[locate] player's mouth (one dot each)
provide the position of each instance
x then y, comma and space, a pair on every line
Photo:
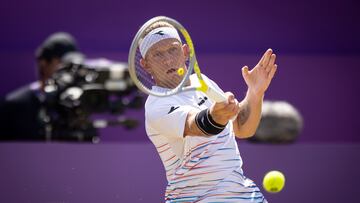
170, 71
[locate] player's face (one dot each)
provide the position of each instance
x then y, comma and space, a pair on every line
163, 60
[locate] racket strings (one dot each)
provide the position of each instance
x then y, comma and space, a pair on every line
165, 67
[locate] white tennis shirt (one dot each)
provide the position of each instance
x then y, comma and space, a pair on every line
198, 168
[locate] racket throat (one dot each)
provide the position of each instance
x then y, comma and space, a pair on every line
203, 86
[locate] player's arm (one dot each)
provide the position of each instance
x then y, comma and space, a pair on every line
190, 125
257, 80
213, 120
248, 119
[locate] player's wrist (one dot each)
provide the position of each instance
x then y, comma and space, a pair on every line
220, 122
218, 116
206, 123
256, 94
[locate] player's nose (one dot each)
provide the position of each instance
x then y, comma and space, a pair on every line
167, 60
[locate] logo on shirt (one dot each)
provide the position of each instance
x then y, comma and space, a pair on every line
202, 100
173, 109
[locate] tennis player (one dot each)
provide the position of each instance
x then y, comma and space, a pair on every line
194, 136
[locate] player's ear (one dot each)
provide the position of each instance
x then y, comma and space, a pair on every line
144, 66
142, 62
186, 50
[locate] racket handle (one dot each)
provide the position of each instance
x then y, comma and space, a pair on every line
215, 95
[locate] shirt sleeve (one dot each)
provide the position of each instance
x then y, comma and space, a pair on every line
167, 118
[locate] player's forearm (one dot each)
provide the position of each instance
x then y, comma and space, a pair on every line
249, 116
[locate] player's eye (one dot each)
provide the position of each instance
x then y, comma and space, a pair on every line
157, 54
172, 50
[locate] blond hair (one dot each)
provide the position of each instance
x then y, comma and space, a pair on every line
157, 25
154, 26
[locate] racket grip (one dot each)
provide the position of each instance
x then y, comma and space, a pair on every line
215, 95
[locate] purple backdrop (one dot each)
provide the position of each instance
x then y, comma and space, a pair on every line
318, 48
317, 45
242, 26
132, 172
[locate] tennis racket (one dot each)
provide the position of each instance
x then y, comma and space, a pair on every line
156, 58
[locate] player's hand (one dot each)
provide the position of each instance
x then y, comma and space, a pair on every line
259, 78
224, 111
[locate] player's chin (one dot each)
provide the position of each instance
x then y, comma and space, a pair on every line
176, 79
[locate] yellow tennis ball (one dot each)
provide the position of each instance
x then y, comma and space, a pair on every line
274, 181
180, 71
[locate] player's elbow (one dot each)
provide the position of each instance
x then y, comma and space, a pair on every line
245, 134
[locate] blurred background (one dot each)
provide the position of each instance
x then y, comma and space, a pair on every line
318, 55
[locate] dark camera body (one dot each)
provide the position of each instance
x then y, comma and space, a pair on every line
77, 91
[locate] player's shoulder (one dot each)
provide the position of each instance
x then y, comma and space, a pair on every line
156, 107
154, 100
154, 103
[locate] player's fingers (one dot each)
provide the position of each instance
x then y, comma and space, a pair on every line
262, 59
236, 101
224, 111
245, 72
218, 106
230, 97
230, 110
237, 109
266, 57
271, 62
272, 72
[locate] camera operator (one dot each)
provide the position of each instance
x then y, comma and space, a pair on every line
20, 112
